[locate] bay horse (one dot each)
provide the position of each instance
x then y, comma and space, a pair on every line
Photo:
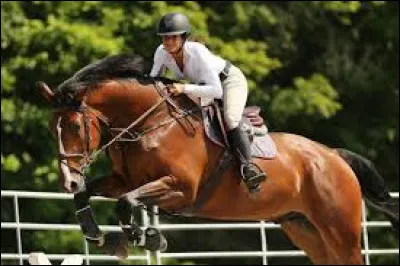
314, 192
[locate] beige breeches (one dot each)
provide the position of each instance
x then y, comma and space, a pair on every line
235, 96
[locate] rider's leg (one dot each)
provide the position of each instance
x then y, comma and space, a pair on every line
235, 97
240, 146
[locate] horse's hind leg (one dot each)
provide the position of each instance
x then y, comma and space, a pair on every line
335, 210
342, 238
307, 238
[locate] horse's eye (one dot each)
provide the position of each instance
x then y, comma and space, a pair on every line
75, 126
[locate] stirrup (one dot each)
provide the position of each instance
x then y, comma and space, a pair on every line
253, 182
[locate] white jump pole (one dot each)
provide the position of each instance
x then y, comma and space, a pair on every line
39, 258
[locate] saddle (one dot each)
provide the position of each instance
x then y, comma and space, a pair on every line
262, 145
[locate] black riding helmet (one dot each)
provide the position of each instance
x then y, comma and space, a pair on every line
173, 24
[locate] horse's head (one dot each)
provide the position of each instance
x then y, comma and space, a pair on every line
78, 133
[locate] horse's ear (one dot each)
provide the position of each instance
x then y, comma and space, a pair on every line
46, 91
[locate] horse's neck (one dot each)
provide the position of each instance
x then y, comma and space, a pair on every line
124, 105
188, 102
123, 101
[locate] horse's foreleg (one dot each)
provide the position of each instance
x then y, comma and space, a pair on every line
98, 187
84, 214
124, 210
150, 239
164, 192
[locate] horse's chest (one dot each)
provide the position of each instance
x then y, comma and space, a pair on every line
130, 154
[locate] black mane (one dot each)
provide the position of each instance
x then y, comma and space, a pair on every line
122, 66
116, 66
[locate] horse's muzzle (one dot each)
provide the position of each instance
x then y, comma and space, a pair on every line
74, 184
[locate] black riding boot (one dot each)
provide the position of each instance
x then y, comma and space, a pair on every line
240, 145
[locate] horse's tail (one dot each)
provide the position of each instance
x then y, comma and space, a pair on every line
373, 187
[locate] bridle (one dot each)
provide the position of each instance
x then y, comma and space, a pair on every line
86, 158
63, 156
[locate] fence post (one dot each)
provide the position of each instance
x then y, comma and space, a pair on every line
146, 222
18, 231
365, 232
86, 246
157, 225
264, 242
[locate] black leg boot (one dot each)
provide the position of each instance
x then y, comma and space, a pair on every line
240, 146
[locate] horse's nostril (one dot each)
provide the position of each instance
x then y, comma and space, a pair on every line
74, 185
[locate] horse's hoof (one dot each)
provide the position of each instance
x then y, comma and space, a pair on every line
116, 244
155, 240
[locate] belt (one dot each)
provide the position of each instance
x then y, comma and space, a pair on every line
224, 73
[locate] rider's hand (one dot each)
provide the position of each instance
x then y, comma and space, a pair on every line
176, 88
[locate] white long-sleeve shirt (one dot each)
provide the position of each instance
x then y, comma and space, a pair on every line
200, 67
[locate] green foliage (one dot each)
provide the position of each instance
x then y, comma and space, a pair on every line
341, 9
10, 163
326, 70
314, 98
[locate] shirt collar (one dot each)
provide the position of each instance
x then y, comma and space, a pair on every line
186, 53
186, 50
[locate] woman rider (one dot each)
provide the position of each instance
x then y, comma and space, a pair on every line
211, 77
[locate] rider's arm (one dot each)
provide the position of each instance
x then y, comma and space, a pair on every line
212, 87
